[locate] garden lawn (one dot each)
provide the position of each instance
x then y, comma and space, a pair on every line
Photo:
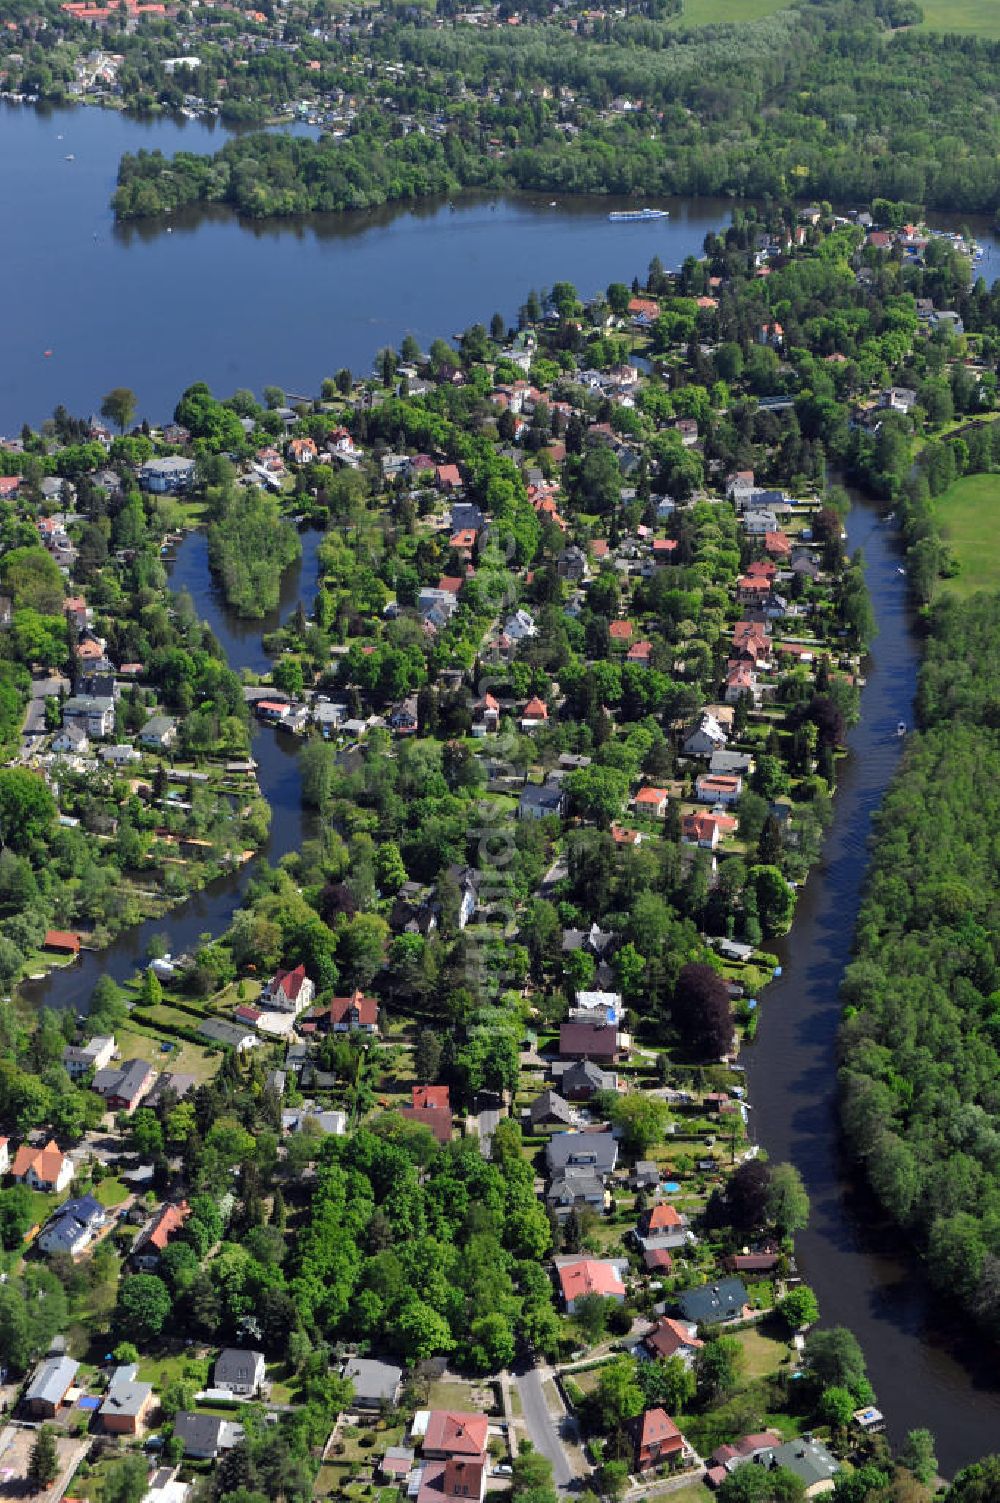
715, 12
763, 1353
968, 514
979, 18
110, 1192
696, 1492
183, 1059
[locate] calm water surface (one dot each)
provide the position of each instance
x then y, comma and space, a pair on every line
289, 303
284, 302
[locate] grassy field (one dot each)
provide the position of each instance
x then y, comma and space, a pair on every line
969, 517
979, 18
713, 12
185, 1058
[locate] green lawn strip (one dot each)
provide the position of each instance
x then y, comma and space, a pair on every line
968, 514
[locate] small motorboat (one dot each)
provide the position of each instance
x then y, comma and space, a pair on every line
47, 354
900, 727
71, 157
900, 570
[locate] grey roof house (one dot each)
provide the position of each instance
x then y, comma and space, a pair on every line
712, 1303
204, 1436
238, 1370
49, 1386
375, 1383
596, 1151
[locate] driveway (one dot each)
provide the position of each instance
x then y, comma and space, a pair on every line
548, 1431
487, 1127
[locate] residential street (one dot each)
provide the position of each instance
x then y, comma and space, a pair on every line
547, 1433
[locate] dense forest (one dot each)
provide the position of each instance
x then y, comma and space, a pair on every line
921, 1036
249, 547
829, 101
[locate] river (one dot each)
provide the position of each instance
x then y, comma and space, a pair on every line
287, 302
923, 1371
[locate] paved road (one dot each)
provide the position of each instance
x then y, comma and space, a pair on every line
545, 1431
487, 1127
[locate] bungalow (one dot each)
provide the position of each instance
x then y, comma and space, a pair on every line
810, 1460
127, 1402
535, 713
620, 633
124, 1086
711, 1304
155, 1236
431, 1098
656, 1439
289, 991
48, 1388
718, 788
596, 1041
375, 1383
450, 1432
45, 1168
652, 801
580, 1277
354, 1014
728, 1457
274, 711
672, 1338
205, 1436
62, 941
777, 545
159, 733
73, 1226
641, 653
758, 1264
239, 1371
664, 550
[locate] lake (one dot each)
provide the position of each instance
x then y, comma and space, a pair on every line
283, 302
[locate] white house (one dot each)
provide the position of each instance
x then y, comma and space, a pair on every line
706, 738
289, 991
520, 625
239, 1371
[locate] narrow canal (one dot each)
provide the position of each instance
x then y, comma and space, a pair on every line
921, 1371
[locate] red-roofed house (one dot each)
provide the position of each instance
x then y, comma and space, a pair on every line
157, 1233
489, 712
464, 540
718, 788
752, 589
448, 477
652, 801
289, 991
302, 450
672, 1338
354, 1014
741, 680
664, 549
706, 830
656, 1439
640, 652
643, 310
590, 1276
458, 1477
62, 941
620, 631
46, 1168
777, 545
9, 486
439, 1122
536, 713
432, 1097
452, 1433
451, 582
